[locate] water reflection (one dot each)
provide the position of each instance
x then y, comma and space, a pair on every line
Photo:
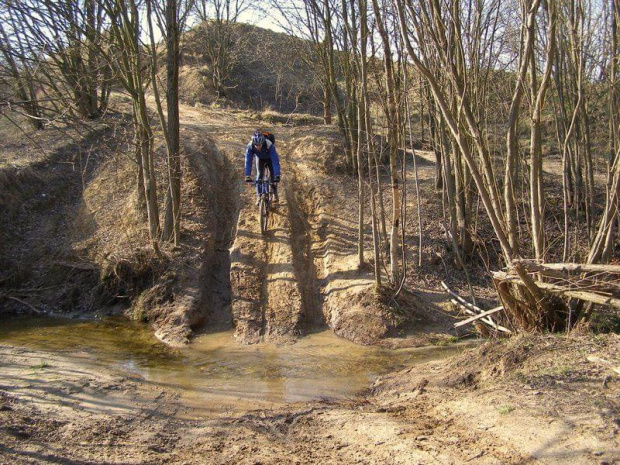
216, 373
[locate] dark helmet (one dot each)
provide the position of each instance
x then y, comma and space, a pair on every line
258, 139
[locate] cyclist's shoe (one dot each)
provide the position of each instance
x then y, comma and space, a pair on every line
276, 179
248, 179
276, 199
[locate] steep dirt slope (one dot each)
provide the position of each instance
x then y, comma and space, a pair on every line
202, 289
330, 204
279, 280
327, 202
42, 195
72, 239
265, 302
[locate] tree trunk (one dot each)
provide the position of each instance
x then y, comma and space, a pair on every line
172, 103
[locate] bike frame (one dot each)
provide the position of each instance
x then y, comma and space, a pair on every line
265, 185
265, 192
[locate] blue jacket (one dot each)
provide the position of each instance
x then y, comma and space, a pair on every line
267, 151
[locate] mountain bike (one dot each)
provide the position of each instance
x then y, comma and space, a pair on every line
266, 195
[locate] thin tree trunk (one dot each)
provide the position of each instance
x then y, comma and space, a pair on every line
536, 185
172, 103
393, 141
366, 123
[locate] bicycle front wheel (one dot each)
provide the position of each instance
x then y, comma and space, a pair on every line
263, 213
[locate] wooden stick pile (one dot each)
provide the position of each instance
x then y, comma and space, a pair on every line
477, 313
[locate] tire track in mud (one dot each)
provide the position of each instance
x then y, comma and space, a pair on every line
347, 302
267, 303
273, 276
300, 212
265, 284
283, 306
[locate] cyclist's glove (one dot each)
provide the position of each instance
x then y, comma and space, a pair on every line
248, 179
276, 179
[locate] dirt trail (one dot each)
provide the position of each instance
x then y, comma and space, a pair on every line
264, 298
264, 276
303, 272
267, 301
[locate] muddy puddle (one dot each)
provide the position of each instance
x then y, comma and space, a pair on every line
217, 375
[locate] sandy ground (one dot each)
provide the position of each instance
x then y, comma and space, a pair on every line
488, 405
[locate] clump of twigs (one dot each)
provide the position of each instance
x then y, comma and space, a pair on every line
486, 321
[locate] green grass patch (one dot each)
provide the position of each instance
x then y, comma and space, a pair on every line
505, 409
445, 341
40, 366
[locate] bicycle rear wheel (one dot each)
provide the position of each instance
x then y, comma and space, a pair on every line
263, 213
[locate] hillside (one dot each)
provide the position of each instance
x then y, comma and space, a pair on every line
259, 69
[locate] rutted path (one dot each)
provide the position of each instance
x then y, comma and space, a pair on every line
273, 294
304, 272
269, 276
267, 301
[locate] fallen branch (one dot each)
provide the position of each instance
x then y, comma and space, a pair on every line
471, 309
34, 309
484, 319
576, 267
477, 317
568, 292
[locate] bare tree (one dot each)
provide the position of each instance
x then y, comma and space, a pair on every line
69, 36
393, 120
126, 55
219, 18
17, 77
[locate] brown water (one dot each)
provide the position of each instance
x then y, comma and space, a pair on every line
215, 373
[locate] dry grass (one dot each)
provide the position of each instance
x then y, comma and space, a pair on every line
15, 185
292, 119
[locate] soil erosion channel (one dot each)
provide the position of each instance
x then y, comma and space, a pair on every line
216, 375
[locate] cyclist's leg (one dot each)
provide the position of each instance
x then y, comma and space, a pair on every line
260, 172
274, 186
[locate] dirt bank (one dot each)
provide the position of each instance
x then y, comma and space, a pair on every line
42, 199
327, 201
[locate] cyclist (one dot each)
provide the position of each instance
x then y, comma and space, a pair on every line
264, 151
